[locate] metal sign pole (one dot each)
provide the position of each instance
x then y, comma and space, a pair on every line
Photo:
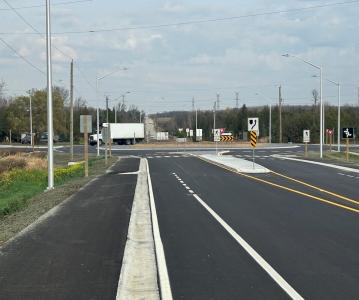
347, 154
86, 157
253, 159
306, 150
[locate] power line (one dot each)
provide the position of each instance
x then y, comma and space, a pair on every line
42, 5
39, 33
252, 15
22, 57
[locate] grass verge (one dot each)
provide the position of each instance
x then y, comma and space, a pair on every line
37, 202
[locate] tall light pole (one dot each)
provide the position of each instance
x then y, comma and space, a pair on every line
339, 107
98, 113
270, 117
50, 129
321, 98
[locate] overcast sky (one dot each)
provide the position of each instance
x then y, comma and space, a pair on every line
169, 65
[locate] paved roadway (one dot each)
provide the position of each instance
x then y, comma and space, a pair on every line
307, 234
313, 245
76, 253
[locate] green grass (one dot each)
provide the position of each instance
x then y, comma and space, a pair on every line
340, 157
18, 186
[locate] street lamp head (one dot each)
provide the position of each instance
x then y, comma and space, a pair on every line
286, 55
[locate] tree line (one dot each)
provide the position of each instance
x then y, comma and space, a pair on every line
295, 119
15, 114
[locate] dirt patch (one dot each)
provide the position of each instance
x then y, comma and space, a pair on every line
40, 204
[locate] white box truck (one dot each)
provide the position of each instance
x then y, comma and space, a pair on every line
122, 133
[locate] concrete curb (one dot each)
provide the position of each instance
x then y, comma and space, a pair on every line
138, 278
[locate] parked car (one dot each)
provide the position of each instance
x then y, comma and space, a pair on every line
26, 139
44, 137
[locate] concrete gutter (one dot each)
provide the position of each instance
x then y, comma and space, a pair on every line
238, 164
138, 278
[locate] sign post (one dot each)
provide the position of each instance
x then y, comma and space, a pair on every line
253, 143
306, 140
85, 128
347, 133
217, 137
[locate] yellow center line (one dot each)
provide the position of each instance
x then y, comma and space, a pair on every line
285, 188
317, 188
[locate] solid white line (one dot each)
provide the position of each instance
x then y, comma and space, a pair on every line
261, 261
192, 192
166, 293
318, 163
341, 174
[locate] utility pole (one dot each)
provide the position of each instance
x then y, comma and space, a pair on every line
107, 110
217, 101
50, 125
214, 117
115, 114
237, 100
32, 135
280, 114
193, 108
72, 110
270, 123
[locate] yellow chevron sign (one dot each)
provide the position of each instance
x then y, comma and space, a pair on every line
253, 139
226, 138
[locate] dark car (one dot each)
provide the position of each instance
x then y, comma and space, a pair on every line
26, 139
44, 136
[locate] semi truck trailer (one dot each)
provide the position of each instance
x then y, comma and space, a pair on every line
121, 133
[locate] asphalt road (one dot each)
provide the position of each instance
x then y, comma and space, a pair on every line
311, 244
307, 234
77, 252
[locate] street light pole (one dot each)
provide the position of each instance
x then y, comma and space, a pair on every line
339, 106
270, 123
98, 113
270, 116
321, 135
50, 129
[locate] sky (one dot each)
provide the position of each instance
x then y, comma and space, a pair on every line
176, 51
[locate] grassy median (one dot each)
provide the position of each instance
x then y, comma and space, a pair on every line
22, 189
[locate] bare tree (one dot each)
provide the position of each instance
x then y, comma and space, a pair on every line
315, 95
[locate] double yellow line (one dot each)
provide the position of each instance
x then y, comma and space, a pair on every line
296, 191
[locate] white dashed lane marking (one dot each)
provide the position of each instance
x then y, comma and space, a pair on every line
251, 251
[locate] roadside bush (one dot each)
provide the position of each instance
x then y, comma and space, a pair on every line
19, 185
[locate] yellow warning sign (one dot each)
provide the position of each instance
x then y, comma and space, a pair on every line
226, 138
253, 139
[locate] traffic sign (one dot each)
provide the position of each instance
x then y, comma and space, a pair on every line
347, 133
253, 124
226, 138
253, 139
217, 135
306, 136
85, 119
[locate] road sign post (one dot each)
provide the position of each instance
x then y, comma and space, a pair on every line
216, 137
86, 127
306, 140
253, 137
347, 134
